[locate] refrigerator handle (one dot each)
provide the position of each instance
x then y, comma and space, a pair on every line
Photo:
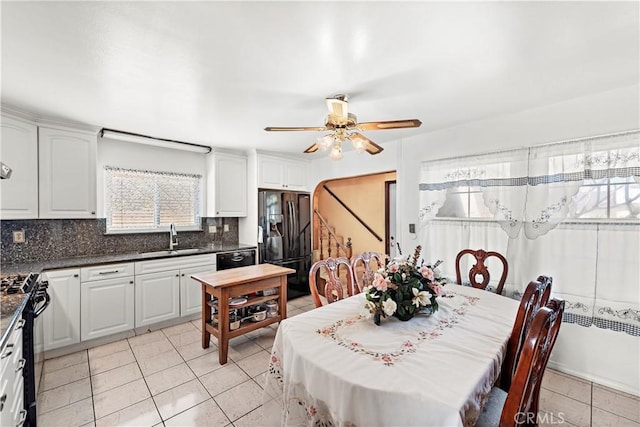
294, 235
290, 224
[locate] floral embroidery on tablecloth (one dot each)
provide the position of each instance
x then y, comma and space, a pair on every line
407, 347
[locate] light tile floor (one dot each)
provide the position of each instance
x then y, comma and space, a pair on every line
166, 378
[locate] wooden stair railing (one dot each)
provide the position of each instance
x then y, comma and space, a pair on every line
328, 235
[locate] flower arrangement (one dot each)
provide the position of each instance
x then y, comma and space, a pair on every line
403, 288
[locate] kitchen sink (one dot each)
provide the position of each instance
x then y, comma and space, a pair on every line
173, 252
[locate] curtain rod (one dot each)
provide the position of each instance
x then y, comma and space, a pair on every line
566, 141
159, 142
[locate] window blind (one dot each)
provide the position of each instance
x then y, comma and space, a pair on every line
138, 200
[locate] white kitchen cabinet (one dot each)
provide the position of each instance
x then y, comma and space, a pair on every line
19, 151
164, 288
11, 381
226, 185
67, 173
282, 173
157, 297
62, 317
106, 300
190, 290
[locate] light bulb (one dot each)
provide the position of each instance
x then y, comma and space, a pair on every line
336, 151
324, 142
358, 142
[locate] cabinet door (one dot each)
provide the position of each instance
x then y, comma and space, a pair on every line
19, 151
294, 175
67, 173
230, 186
191, 291
157, 297
270, 173
106, 307
62, 317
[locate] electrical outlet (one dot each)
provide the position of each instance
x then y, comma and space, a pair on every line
212, 229
226, 227
412, 228
18, 236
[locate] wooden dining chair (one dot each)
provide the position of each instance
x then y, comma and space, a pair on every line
480, 269
333, 287
519, 407
536, 295
366, 278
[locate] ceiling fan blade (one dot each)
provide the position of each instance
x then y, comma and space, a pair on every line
371, 147
287, 129
392, 124
338, 107
312, 149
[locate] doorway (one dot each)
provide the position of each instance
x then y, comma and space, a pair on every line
390, 218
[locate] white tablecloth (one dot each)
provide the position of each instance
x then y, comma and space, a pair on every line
331, 366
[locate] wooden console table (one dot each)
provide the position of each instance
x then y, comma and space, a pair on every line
234, 282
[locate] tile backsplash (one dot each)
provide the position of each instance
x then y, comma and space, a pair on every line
52, 239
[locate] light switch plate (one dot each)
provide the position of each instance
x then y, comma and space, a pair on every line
226, 227
18, 236
212, 229
412, 228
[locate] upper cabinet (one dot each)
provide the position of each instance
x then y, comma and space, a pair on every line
226, 185
282, 173
67, 173
19, 151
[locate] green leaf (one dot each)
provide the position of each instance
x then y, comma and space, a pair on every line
401, 311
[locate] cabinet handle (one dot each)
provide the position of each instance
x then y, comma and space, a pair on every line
182, 274
9, 351
177, 275
75, 275
21, 363
131, 282
109, 272
23, 417
20, 324
93, 212
2, 400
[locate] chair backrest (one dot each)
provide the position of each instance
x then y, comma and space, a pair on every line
536, 295
366, 279
333, 287
480, 269
521, 405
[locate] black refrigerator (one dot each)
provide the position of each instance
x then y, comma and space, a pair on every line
284, 220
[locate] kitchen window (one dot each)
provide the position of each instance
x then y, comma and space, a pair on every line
147, 201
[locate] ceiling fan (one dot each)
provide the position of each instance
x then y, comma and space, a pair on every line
344, 126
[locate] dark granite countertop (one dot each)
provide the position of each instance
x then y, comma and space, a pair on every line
12, 305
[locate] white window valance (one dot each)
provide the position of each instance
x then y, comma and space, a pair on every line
531, 189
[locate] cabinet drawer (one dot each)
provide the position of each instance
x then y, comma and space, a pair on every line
176, 263
110, 271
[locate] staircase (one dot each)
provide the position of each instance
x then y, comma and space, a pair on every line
331, 245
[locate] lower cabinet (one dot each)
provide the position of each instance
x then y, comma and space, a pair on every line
191, 291
62, 317
107, 307
157, 297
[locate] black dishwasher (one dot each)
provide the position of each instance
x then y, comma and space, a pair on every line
241, 258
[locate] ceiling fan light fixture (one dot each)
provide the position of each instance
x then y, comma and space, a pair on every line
324, 142
358, 143
336, 151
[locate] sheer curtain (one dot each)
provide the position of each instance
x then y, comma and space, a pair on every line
595, 264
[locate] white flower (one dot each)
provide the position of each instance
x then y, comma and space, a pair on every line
420, 298
366, 289
368, 310
404, 277
389, 306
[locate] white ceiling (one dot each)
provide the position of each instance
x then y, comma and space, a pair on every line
217, 73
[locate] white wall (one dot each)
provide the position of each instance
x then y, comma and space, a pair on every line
130, 155
607, 357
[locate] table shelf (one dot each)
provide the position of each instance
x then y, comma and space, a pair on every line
250, 301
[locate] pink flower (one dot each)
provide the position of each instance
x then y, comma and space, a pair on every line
312, 410
426, 272
379, 282
437, 289
274, 359
394, 268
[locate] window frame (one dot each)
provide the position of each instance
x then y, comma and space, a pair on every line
198, 209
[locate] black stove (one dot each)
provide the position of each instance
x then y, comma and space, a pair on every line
12, 284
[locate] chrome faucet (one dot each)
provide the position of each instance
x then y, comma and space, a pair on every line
173, 237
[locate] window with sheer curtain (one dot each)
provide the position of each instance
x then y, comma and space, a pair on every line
146, 201
570, 210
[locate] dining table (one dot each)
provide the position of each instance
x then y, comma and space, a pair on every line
334, 366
